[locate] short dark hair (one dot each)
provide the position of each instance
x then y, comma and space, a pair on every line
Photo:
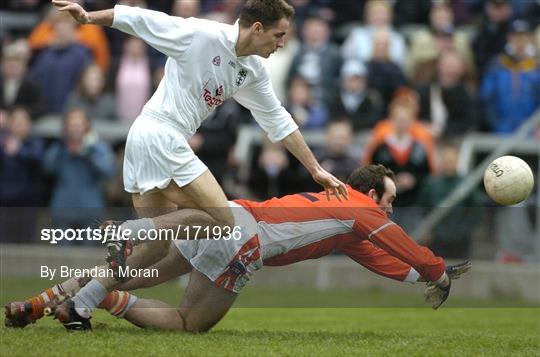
267, 12
76, 110
339, 121
370, 177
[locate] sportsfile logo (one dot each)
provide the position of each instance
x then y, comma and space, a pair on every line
53, 236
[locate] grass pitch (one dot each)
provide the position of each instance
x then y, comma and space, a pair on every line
277, 331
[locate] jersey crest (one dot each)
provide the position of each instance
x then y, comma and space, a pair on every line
241, 77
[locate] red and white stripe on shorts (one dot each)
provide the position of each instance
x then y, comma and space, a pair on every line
244, 262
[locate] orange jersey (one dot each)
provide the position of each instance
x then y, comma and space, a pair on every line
419, 133
308, 226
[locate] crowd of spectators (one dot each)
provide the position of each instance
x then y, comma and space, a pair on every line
414, 74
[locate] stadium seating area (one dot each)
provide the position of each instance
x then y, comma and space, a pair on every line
367, 80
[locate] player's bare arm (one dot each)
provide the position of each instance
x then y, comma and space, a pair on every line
101, 18
296, 144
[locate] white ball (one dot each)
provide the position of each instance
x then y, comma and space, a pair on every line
508, 180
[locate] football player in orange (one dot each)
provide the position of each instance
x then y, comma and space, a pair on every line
276, 232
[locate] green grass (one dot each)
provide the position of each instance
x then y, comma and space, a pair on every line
321, 331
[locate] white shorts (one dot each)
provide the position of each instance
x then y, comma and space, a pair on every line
156, 153
228, 263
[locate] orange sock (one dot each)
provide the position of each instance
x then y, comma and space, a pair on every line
49, 298
118, 302
37, 307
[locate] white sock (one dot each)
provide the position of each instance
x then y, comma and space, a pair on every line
142, 225
89, 297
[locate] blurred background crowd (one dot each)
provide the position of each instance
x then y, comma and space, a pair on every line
411, 78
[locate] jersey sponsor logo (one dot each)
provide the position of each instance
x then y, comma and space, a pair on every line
216, 61
241, 77
212, 101
232, 64
212, 91
219, 91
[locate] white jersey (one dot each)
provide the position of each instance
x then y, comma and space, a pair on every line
202, 71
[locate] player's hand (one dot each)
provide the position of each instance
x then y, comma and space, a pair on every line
75, 10
435, 295
89, 141
331, 185
437, 292
455, 271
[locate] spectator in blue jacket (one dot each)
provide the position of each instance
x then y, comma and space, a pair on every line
305, 110
19, 161
80, 163
57, 68
511, 87
20, 179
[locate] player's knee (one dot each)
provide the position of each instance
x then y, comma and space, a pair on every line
157, 249
222, 218
195, 327
180, 322
225, 220
194, 323
224, 226
163, 249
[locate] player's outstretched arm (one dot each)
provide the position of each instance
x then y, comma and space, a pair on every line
390, 237
380, 262
102, 18
260, 99
296, 144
